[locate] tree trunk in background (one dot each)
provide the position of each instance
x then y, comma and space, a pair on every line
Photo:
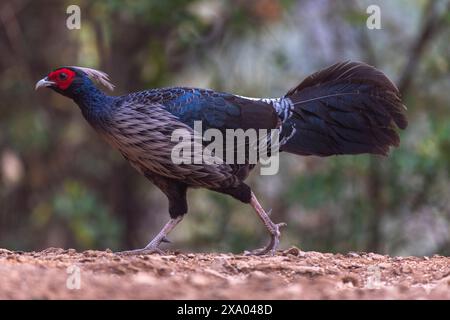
433, 22
26, 54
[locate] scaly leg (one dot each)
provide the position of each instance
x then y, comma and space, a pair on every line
274, 230
153, 245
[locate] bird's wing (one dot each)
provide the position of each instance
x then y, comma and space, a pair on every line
224, 111
215, 109
143, 134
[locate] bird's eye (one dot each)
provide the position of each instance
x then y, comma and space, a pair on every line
62, 76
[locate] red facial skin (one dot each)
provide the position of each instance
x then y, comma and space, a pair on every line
62, 78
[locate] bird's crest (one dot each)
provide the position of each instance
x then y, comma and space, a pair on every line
97, 76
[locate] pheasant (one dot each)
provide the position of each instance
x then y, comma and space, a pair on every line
347, 108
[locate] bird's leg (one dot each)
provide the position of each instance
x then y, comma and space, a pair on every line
273, 228
153, 246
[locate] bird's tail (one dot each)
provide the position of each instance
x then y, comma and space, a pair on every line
348, 108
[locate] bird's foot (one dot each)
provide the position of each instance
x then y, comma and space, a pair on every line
153, 246
271, 248
150, 249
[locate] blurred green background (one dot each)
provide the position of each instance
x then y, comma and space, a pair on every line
60, 185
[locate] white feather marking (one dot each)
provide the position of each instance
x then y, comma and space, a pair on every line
283, 106
97, 76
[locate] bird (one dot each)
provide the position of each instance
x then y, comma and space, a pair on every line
347, 108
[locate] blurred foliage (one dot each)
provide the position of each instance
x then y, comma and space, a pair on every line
60, 185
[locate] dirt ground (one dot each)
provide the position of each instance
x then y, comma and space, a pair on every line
292, 274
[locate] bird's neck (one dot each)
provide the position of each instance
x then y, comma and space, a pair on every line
94, 104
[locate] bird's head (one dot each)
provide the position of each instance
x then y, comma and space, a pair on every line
69, 80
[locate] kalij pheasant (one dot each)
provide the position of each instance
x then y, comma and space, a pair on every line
347, 108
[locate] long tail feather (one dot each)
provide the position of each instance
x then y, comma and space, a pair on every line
348, 108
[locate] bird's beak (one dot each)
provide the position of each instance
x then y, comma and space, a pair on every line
43, 83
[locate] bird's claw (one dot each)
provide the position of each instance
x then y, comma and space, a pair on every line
271, 248
164, 239
143, 251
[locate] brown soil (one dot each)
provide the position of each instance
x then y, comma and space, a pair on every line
291, 274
